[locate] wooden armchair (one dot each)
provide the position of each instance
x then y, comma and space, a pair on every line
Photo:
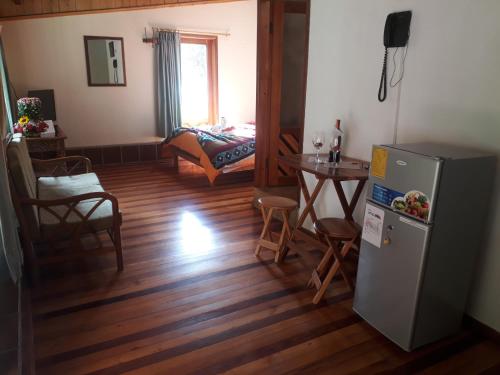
55, 204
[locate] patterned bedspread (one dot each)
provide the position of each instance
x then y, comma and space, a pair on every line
221, 148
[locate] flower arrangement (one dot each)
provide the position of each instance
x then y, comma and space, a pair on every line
30, 123
29, 107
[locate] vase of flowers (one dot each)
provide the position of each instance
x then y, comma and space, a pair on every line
30, 122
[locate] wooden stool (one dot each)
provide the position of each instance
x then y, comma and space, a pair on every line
268, 205
337, 232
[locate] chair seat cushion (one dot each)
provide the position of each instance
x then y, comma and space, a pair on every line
67, 182
50, 188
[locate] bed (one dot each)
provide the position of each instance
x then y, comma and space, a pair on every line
218, 151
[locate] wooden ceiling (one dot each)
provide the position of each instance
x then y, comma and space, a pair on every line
15, 9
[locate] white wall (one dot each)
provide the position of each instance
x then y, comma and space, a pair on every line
49, 53
450, 93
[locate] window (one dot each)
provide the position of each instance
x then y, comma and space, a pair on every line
199, 91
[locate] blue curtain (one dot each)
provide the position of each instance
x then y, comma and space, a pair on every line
10, 248
168, 82
9, 240
9, 106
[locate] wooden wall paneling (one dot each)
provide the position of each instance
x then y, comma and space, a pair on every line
125, 3
32, 6
67, 5
142, 3
263, 91
50, 6
160, 2
10, 9
94, 4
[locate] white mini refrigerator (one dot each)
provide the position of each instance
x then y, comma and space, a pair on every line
426, 209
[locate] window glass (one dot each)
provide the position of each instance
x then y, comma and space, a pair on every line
194, 86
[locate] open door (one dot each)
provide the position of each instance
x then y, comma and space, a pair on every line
283, 34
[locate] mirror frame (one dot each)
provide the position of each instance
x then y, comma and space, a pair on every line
86, 38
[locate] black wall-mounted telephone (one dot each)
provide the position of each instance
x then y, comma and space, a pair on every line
396, 34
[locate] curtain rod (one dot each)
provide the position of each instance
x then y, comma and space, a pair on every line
187, 31
152, 39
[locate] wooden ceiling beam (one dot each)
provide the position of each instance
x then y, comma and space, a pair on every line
20, 9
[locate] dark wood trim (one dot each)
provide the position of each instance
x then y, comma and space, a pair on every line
296, 7
86, 38
121, 153
211, 42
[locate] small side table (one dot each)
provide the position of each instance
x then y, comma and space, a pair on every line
40, 146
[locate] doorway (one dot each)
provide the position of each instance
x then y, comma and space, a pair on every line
282, 51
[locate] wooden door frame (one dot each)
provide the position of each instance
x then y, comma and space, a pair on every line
269, 66
264, 46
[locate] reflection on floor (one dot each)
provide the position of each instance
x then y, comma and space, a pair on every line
194, 299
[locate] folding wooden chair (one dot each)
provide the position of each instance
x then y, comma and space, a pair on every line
340, 234
268, 205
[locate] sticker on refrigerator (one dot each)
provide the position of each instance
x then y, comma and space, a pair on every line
414, 203
384, 195
373, 225
379, 162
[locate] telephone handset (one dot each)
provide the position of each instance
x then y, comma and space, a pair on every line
396, 34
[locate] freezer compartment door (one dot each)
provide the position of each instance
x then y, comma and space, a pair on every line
410, 178
390, 273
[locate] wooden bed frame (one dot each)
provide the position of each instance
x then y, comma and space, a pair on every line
242, 172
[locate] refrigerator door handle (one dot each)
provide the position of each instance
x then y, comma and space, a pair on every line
387, 238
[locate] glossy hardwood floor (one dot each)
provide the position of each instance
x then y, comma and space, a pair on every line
193, 299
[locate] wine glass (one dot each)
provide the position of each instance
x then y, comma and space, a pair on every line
318, 141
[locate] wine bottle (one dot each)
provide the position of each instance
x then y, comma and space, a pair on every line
338, 134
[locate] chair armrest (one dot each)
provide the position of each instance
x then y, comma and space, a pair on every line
71, 202
65, 166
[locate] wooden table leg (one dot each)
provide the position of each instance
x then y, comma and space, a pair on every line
357, 194
348, 208
343, 199
308, 198
308, 209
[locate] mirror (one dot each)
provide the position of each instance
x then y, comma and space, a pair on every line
105, 61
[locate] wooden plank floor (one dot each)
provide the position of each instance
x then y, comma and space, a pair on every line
193, 299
